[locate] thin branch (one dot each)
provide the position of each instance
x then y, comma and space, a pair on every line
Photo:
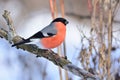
9, 21
51, 8
64, 43
109, 39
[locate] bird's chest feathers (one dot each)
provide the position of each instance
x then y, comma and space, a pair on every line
56, 40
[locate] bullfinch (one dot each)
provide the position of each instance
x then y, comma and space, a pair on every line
51, 36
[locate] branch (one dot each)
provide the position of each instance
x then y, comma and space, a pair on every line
50, 55
9, 21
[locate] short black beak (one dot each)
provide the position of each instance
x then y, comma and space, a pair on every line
66, 22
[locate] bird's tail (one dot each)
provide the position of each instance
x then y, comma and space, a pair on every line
22, 42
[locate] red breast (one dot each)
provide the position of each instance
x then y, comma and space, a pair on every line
57, 39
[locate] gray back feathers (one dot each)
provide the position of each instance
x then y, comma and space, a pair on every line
49, 30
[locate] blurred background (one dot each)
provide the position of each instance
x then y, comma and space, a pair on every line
30, 16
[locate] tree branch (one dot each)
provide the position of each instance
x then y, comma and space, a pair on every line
50, 55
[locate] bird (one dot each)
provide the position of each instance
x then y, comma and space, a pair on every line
51, 36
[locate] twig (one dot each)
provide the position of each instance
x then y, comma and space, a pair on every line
109, 39
64, 43
9, 21
52, 8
